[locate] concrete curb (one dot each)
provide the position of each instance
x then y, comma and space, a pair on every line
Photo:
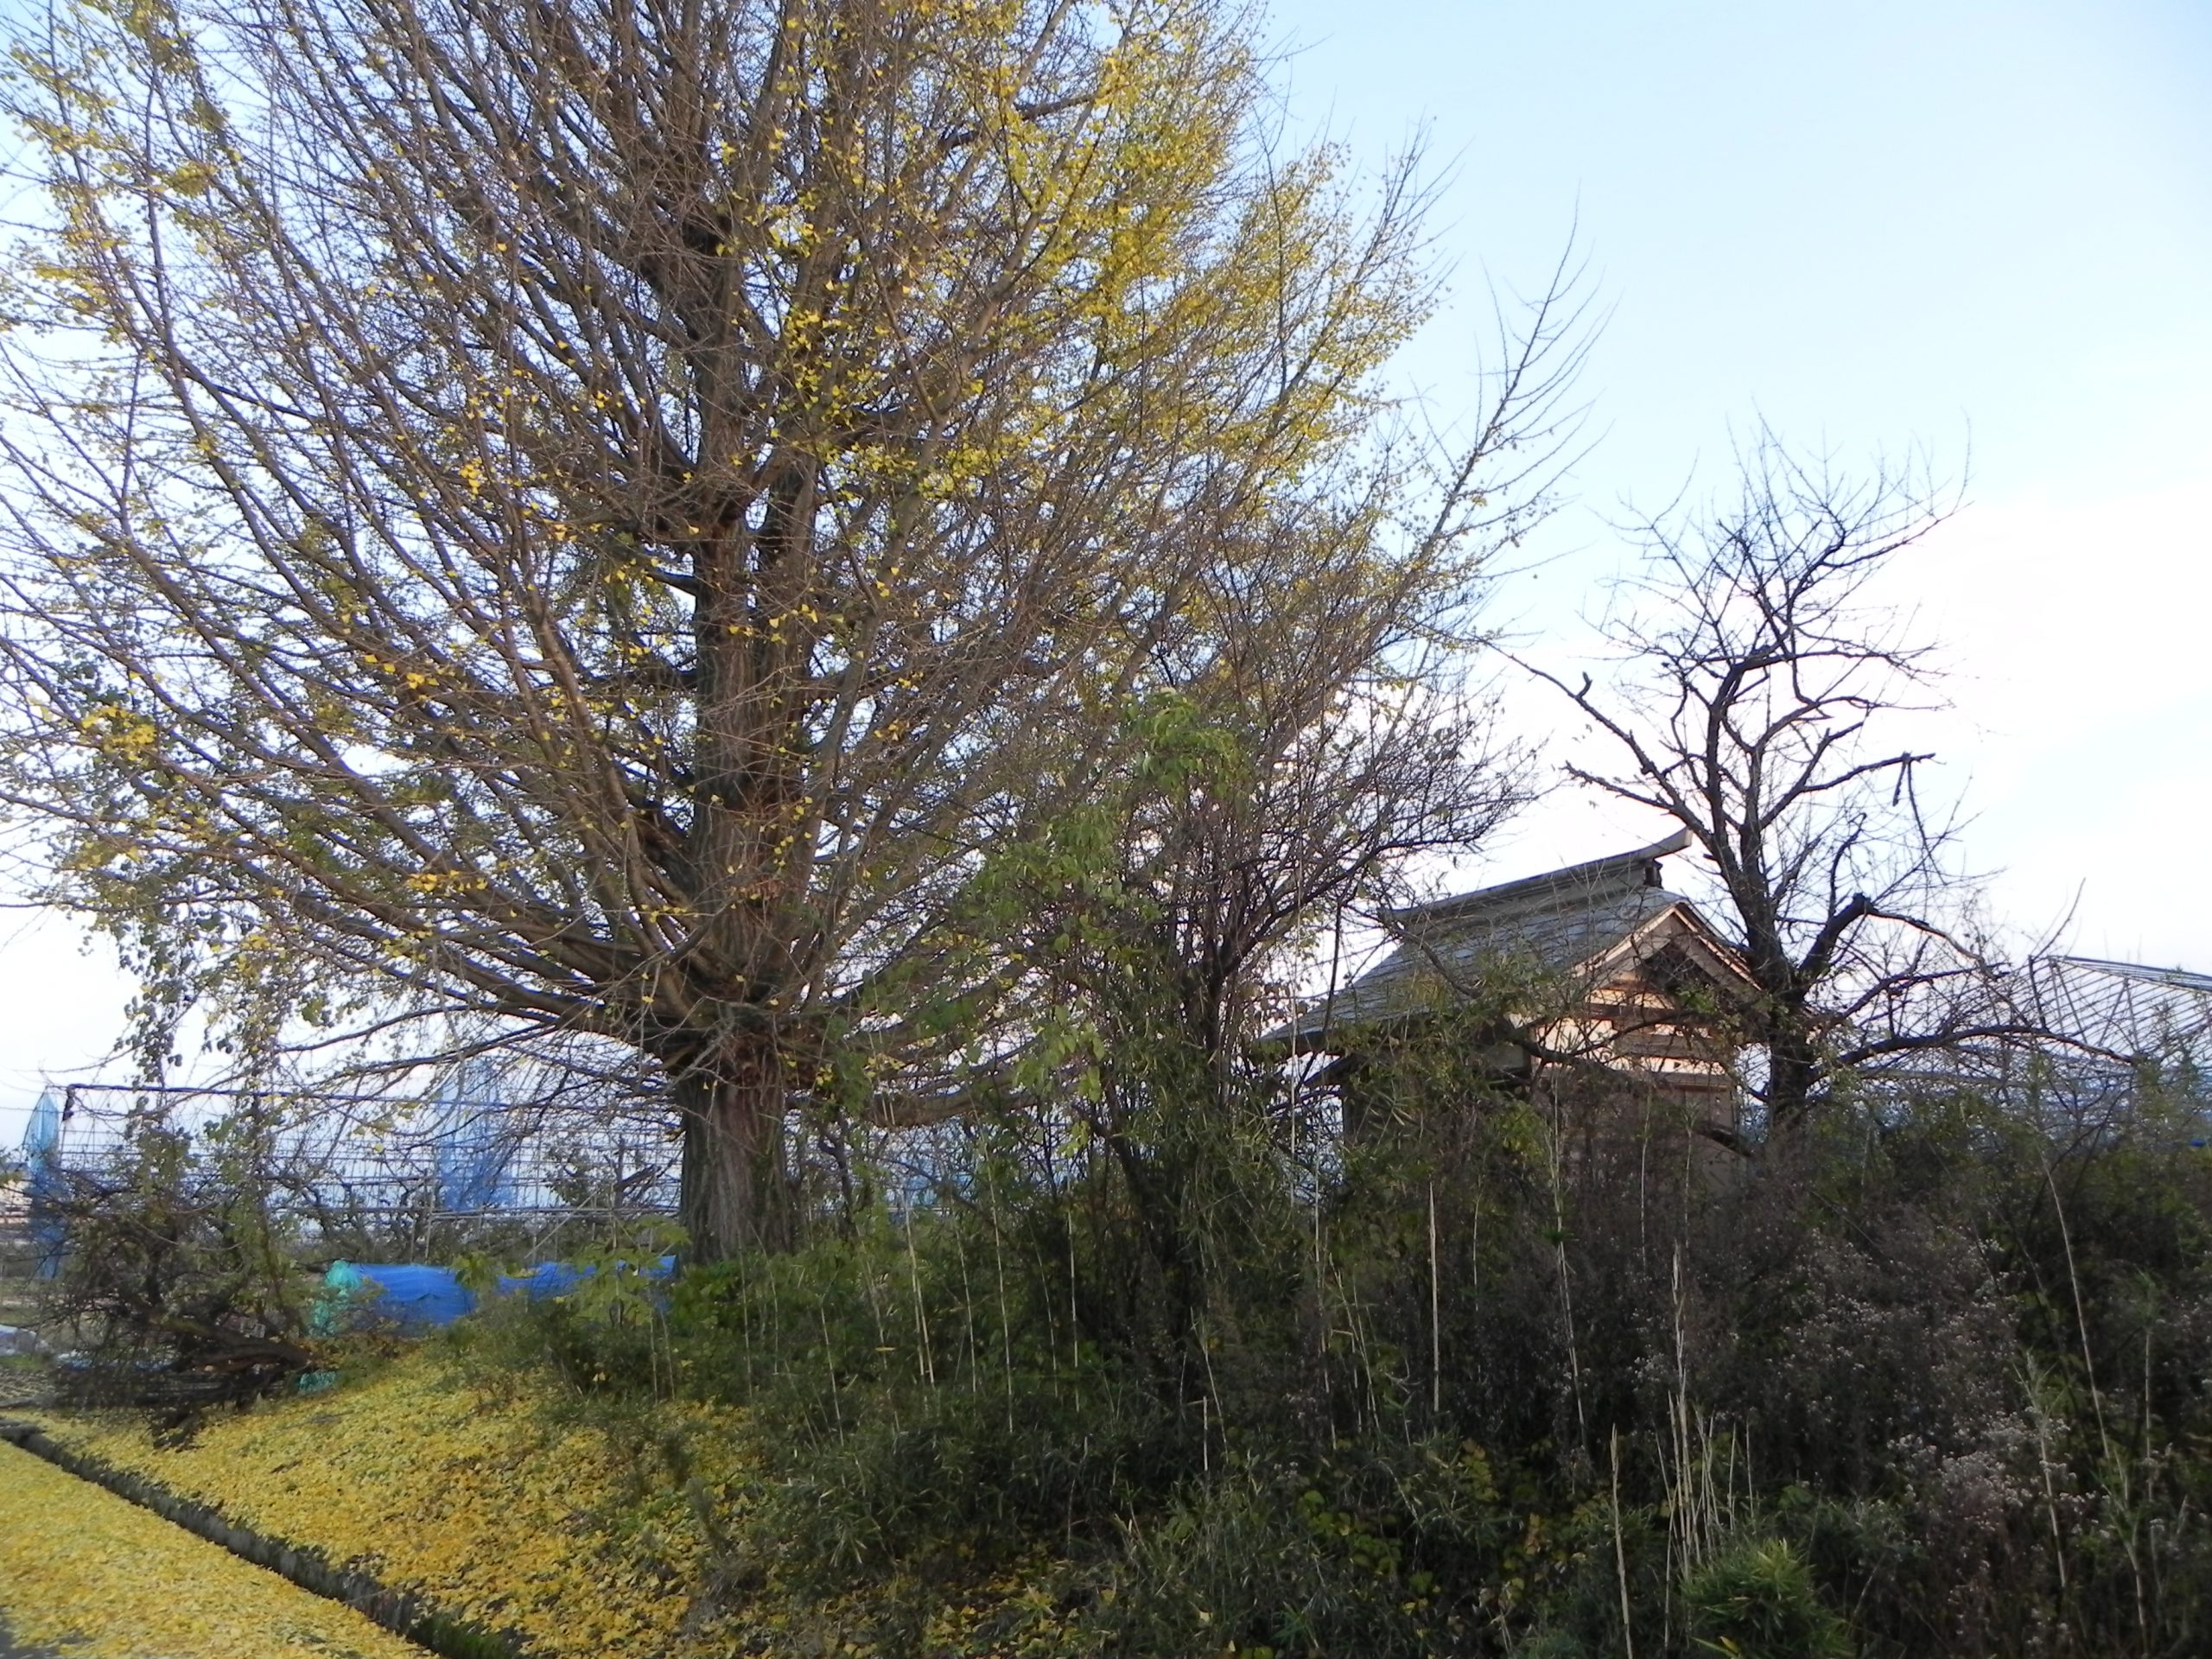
397, 1611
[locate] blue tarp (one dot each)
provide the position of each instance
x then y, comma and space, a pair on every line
409, 1296
418, 1297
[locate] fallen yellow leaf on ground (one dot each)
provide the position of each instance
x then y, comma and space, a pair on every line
481, 1506
83, 1570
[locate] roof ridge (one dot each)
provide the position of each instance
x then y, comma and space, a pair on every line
1584, 882
2180, 978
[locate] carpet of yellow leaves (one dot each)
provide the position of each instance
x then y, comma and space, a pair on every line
482, 1505
82, 1570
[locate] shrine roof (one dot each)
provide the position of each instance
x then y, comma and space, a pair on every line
1568, 922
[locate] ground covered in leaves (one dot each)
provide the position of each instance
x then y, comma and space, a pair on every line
577, 1532
496, 1512
84, 1573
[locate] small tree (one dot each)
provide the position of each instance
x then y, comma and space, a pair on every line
1758, 685
1307, 730
596, 515
179, 1275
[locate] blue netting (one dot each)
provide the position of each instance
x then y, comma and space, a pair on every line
41, 1150
475, 1143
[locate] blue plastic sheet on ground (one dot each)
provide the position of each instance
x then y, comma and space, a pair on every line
559, 1278
410, 1297
415, 1297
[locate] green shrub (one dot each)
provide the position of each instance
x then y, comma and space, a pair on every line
1380, 1552
1756, 1600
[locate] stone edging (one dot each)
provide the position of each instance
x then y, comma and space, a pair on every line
397, 1611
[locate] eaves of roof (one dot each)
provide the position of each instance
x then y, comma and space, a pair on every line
1590, 924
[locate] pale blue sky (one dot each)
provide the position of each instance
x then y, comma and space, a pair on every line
1883, 220
1983, 228
1876, 224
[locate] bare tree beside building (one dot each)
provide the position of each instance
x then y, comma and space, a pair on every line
1756, 703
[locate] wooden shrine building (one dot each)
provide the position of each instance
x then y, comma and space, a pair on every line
1594, 978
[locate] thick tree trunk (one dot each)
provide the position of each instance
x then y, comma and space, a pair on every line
1793, 1072
735, 1192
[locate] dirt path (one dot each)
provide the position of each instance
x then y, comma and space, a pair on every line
86, 1575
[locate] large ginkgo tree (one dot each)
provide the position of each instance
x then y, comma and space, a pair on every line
600, 515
